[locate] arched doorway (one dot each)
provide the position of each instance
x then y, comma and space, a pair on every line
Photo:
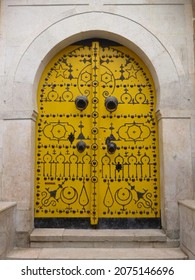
97, 160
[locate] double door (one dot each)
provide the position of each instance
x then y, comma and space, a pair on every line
96, 140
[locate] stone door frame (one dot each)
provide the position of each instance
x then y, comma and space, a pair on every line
20, 114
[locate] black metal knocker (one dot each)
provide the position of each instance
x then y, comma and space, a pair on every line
111, 147
81, 146
111, 103
81, 102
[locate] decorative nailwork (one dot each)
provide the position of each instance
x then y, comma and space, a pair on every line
95, 183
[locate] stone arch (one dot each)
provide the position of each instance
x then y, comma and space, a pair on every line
165, 68
164, 65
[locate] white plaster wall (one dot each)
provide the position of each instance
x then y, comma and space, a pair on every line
170, 24
187, 221
160, 32
175, 167
7, 227
18, 161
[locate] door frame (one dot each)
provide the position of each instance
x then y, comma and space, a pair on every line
168, 74
137, 217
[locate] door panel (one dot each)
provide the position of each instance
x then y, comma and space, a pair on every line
96, 141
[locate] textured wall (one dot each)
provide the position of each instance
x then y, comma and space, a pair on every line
160, 32
7, 227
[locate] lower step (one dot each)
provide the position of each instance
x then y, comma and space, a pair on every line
97, 253
63, 238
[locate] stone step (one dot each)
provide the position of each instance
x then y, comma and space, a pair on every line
67, 238
97, 253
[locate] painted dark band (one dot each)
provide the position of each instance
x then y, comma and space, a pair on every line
103, 223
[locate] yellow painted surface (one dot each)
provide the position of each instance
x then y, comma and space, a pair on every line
95, 183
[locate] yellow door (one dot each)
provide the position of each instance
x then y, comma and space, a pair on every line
96, 140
